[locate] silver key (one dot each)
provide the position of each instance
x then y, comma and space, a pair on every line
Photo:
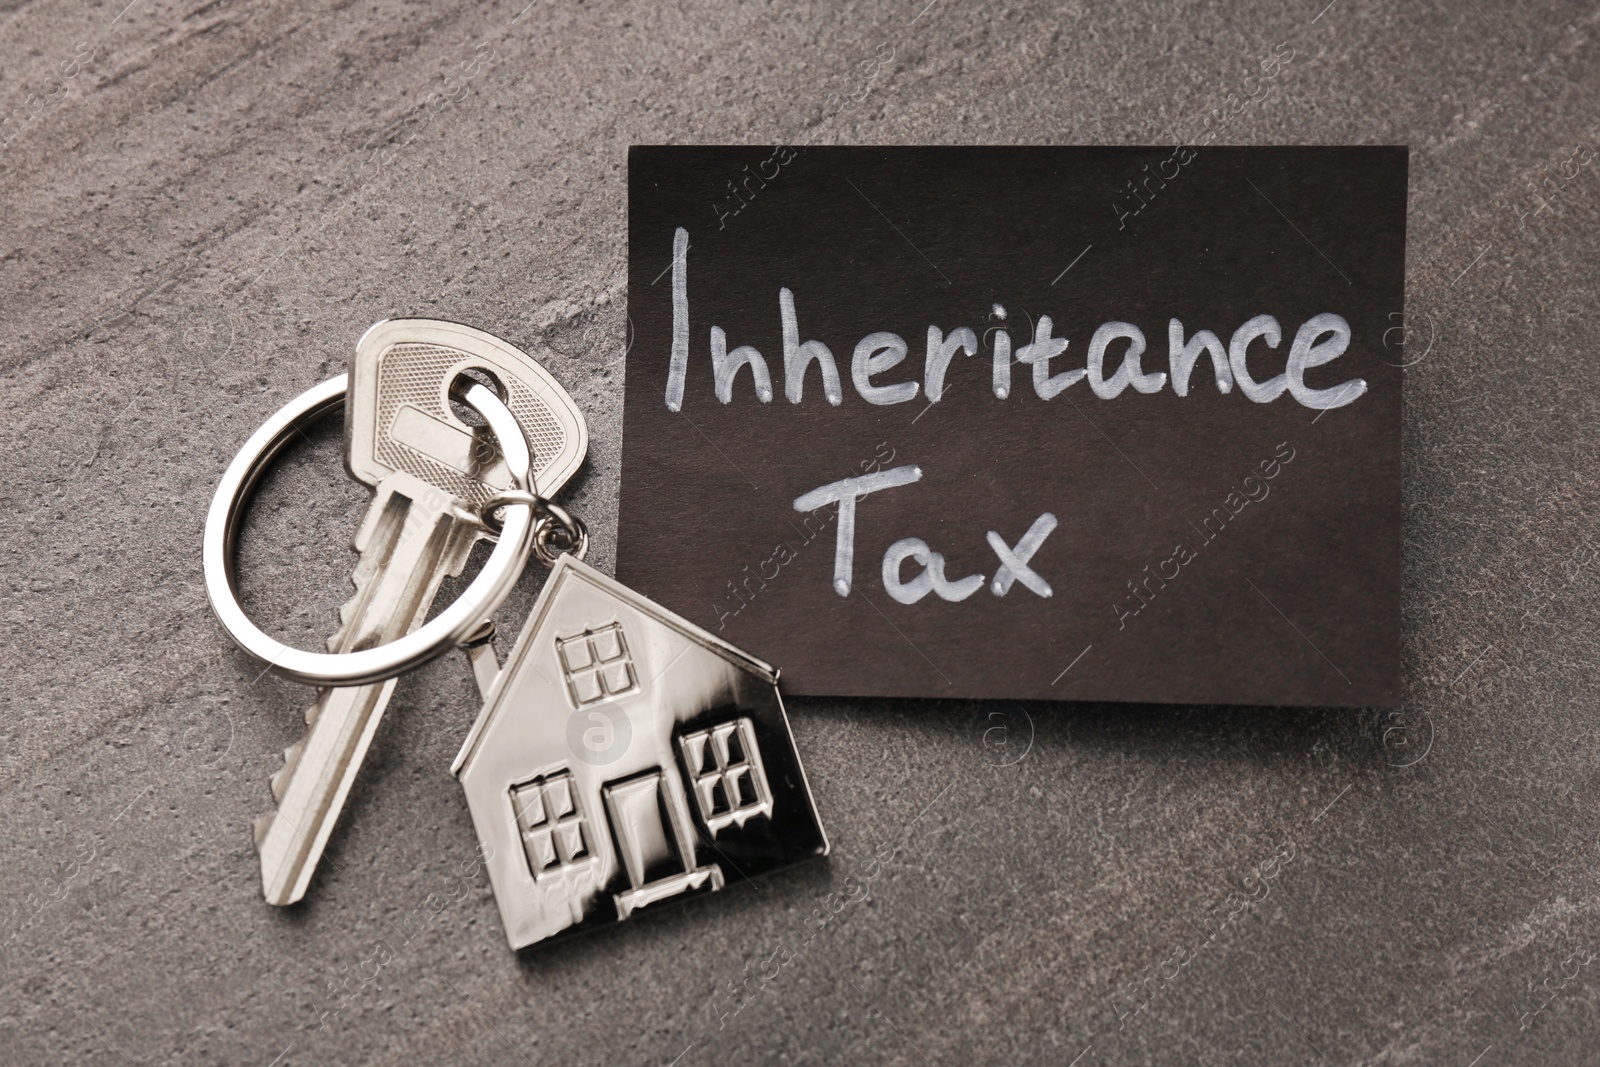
430, 473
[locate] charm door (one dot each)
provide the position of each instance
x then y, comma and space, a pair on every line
655, 840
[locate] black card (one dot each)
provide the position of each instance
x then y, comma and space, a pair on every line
1039, 423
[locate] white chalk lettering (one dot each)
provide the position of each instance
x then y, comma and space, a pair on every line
797, 357
1014, 561
1002, 362
1182, 356
931, 580
1039, 354
845, 493
725, 366
941, 350
680, 319
876, 353
1266, 328
1127, 374
1309, 350
1320, 340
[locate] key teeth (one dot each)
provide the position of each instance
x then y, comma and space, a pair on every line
368, 542
351, 609
280, 779
261, 826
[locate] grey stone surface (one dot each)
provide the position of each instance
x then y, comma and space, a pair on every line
205, 214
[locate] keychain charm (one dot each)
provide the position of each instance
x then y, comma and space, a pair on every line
625, 757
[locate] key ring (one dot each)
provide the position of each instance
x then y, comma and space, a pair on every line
450, 628
556, 531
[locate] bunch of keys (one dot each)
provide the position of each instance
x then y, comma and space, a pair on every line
623, 757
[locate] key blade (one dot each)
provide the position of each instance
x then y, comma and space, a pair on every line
384, 525
314, 788
398, 417
407, 548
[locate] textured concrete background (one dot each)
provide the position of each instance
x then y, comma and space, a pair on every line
205, 205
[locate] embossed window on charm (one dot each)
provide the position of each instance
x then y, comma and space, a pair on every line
730, 784
551, 824
596, 665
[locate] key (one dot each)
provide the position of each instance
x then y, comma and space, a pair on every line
429, 473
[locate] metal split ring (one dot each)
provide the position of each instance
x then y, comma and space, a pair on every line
556, 531
451, 627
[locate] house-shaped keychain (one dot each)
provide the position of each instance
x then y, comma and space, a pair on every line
626, 758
